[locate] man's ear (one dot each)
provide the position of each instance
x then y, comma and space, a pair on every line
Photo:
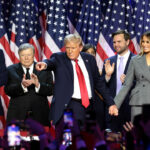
81, 47
128, 42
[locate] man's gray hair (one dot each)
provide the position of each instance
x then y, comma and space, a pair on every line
74, 38
25, 46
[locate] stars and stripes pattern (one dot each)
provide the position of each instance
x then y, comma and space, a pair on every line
45, 23
117, 17
141, 17
56, 27
4, 45
86, 17
24, 26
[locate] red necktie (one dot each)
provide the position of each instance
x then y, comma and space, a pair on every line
82, 84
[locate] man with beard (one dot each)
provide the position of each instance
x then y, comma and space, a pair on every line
114, 71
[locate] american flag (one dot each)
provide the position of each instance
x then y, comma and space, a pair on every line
56, 27
24, 26
117, 17
141, 17
104, 5
21, 19
4, 45
4, 41
44, 23
86, 17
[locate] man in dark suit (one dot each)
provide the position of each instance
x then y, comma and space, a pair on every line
114, 80
3, 80
67, 89
28, 88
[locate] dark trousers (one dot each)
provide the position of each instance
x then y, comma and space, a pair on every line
116, 123
79, 115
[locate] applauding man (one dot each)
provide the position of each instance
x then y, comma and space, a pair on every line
28, 88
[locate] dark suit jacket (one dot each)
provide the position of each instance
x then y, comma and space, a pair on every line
3, 76
112, 122
63, 89
140, 94
21, 102
113, 81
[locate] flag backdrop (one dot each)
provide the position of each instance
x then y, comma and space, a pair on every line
45, 23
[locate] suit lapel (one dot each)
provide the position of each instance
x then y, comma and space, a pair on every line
114, 60
19, 70
144, 68
35, 71
87, 65
126, 68
68, 66
86, 62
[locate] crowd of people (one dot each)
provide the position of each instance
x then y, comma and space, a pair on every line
90, 108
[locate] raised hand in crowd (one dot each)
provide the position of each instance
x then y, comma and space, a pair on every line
128, 126
109, 69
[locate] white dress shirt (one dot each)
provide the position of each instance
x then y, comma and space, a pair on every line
76, 91
30, 72
125, 59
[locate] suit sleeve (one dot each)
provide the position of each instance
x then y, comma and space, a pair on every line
13, 87
46, 83
128, 84
3, 70
51, 62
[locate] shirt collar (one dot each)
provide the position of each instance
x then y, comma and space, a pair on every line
79, 57
124, 56
31, 68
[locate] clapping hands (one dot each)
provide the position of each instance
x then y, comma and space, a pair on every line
27, 82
